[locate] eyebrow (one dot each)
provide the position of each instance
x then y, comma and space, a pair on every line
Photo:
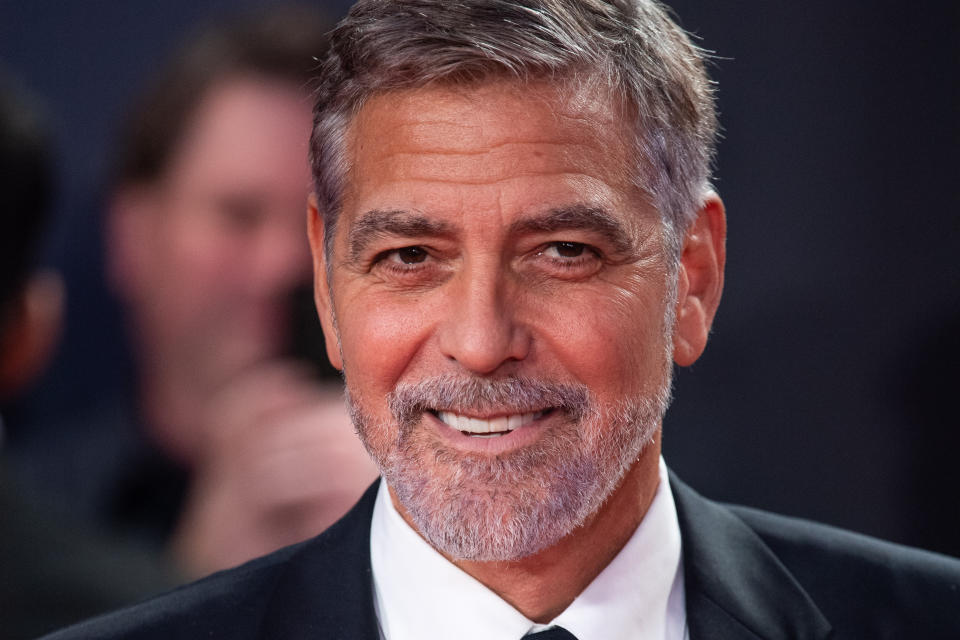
378, 223
579, 218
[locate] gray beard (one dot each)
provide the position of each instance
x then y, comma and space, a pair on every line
509, 506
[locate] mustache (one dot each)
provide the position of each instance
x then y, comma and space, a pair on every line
462, 395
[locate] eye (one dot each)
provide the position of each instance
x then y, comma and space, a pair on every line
408, 255
567, 260
565, 249
412, 266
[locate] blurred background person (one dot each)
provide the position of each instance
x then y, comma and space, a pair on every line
52, 572
31, 303
224, 446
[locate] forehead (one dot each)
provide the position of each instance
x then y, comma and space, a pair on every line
479, 116
488, 140
245, 127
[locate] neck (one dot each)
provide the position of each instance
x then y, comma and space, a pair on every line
543, 585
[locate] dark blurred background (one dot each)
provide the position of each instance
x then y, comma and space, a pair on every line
828, 389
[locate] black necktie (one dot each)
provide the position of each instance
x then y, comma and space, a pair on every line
553, 633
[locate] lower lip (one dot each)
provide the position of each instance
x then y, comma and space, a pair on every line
516, 439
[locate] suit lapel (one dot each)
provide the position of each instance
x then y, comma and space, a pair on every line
326, 590
736, 588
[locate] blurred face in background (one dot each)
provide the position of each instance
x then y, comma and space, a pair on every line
206, 256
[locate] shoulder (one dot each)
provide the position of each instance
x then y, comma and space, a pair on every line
282, 589
854, 578
783, 577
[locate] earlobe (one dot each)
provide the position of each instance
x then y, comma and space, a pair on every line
700, 280
321, 287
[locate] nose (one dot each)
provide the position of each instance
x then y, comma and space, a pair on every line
481, 331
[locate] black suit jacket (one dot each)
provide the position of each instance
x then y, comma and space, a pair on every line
748, 575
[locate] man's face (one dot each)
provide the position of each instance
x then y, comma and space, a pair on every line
212, 251
495, 271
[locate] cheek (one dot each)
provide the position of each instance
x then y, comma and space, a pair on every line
380, 337
612, 340
184, 278
197, 247
211, 264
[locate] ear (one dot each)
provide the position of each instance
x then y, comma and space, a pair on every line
321, 287
30, 332
700, 280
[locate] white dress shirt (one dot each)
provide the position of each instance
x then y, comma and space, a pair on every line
420, 595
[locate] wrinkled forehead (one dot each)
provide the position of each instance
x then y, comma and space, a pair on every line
589, 107
536, 126
489, 157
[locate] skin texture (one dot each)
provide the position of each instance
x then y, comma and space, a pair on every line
490, 290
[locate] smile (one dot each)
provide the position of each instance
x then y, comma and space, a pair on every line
488, 428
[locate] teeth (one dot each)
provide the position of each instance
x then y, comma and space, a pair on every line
488, 428
476, 426
498, 424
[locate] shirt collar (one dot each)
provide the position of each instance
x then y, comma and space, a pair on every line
420, 595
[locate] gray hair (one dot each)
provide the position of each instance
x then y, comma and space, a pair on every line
631, 46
